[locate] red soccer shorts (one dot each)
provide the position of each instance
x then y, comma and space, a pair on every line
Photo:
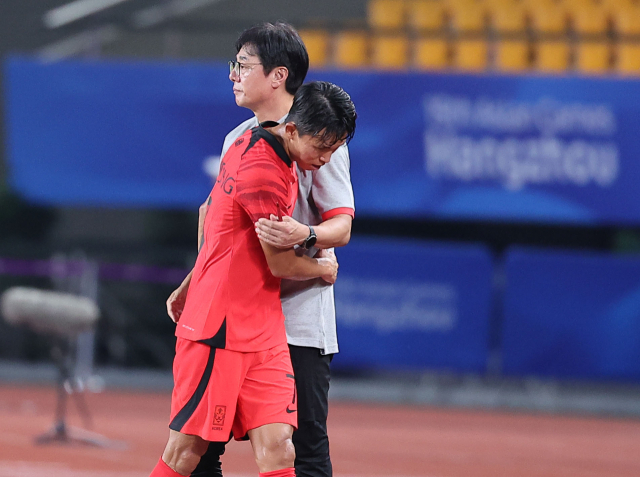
219, 391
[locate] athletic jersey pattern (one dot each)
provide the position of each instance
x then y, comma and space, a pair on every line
309, 306
233, 300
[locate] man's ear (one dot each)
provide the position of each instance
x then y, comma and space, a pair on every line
290, 130
279, 76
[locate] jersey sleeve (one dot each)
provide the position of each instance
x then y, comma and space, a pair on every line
332, 191
236, 133
261, 188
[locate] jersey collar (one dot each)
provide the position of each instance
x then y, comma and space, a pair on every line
272, 141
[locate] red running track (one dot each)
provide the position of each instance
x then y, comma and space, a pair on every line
366, 441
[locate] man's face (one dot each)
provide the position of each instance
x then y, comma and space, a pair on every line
250, 85
309, 151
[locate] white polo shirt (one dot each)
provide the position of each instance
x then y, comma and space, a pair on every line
309, 306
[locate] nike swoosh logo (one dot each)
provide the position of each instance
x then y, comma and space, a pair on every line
290, 411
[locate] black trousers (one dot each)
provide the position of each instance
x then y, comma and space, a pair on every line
312, 371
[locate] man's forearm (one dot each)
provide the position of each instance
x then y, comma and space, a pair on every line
333, 232
303, 268
288, 264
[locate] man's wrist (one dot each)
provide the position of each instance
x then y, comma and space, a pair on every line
304, 233
310, 240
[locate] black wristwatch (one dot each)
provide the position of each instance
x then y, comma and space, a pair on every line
311, 240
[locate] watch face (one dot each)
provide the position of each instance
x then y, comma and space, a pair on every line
310, 242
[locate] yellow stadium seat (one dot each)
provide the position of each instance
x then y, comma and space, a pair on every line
508, 18
426, 15
317, 43
492, 4
470, 55
530, 5
576, 3
386, 14
449, 4
628, 59
613, 5
588, 19
351, 49
626, 21
430, 54
467, 17
592, 57
390, 52
547, 17
512, 55
551, 56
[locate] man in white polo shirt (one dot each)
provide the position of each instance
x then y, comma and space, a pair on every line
271, 64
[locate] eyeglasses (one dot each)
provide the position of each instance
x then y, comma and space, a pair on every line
241, 69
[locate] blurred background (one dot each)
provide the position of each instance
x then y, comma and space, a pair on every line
494, 258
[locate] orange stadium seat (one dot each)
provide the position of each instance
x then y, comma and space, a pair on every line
576, 3
593, 57
626, 20
470, 54
386, 14
467, 16
551, 56
430, 54
390, 51
508, 18
317, 43
588, 19
493, 4
613, 5
512, 55
531, 4
351, 49
547, 17
628, 59
426, 15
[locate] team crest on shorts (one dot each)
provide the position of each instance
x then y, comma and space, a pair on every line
219, 415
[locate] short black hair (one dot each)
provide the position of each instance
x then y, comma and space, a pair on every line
322, 108
278, 44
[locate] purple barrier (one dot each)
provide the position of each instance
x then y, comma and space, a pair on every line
106, 271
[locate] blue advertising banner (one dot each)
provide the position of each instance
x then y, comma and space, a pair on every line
410, 305
572, 315
490, 147
116, 134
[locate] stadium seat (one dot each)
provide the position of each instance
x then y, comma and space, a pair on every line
317, 43
593, 57
470, 54
512, 55
351, 49
576, 3
613, 5
467, 16
626, 20
588, 19
628, 59
547, 17
426, 15
386, 14
390, 51
430, 54
508, 18
551, 56
492, 4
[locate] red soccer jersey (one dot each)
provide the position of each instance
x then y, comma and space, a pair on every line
233, 300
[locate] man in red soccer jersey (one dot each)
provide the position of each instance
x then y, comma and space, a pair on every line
232, 370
